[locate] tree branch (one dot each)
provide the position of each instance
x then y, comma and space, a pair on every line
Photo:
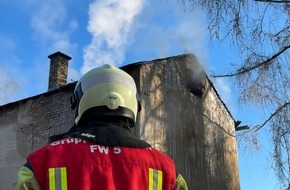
272, 115
270, 1
243, 70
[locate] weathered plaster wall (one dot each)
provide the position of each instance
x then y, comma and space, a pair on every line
27, 125
196, 131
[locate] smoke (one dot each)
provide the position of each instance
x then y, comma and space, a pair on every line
110, 24
8, 87
226, 92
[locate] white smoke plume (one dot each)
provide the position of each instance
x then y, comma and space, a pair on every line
110, 24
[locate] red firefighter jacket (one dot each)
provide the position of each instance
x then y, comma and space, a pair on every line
77, 164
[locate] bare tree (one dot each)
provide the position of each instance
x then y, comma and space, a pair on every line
260, 31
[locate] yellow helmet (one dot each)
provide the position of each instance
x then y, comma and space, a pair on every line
105, 91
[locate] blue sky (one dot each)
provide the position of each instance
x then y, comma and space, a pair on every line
95, 32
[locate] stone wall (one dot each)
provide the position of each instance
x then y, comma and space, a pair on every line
182, 115
27, 125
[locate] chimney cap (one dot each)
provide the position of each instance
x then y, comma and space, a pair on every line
58, 53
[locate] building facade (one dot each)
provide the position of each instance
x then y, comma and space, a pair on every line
182, 115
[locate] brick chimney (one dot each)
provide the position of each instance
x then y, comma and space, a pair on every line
58, 70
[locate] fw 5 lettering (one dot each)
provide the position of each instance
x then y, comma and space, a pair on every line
104, 149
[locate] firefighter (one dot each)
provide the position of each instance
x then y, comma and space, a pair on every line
100, 151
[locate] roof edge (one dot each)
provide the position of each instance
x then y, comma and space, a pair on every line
62, 88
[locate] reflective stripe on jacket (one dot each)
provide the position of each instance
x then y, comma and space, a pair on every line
74, 164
